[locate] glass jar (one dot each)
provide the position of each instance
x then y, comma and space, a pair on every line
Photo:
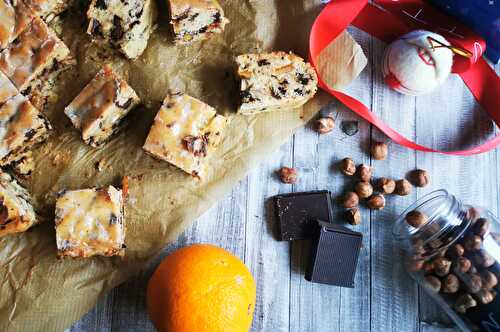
453, 251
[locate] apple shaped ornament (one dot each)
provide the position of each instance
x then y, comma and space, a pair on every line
417, 63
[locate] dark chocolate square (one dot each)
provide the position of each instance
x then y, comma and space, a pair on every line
334, 256
297, 213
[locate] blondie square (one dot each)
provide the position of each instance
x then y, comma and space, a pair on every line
99, 108
273, 81
16, 212
90, 222
185, 132
21, 127
194, 20
14, 19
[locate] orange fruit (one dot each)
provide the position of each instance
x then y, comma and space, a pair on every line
201, 288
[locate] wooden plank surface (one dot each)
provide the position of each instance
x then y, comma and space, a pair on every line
384, 299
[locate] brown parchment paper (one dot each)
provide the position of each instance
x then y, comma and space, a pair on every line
39, 292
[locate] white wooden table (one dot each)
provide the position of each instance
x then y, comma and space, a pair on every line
384, 298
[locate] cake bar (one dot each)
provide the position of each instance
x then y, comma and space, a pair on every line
48, 9
194, 20
21, 127
185, 132
99, 108
90, 222
16, 212
126, 25
36, 50
274, 81
297, 213
14, 19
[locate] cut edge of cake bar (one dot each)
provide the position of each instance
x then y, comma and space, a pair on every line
16, 212
99, 216
274, 81
23, 126
98, 125
48, 9
127, 29
196, 20
19, 62
186, 144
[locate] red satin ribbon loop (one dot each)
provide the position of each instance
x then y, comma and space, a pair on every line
389, 19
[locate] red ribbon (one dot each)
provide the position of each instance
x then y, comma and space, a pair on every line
388, 20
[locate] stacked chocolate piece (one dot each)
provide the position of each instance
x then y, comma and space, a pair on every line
335, 250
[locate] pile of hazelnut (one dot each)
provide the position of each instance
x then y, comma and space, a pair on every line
374, 193
464, 273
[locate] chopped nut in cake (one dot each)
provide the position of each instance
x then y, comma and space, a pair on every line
99, 108
274, 81
90, 222
34, 51
14, 19
194, 20
48, 9
16, 212
185, 132
7, 89
126, 25
21, 127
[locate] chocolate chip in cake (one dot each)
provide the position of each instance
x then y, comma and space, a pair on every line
117, 31
197, 145
101, 4
263, 62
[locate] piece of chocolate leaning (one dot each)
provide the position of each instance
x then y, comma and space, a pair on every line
297, 213
334, 255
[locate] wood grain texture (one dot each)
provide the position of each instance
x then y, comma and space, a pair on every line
385, 298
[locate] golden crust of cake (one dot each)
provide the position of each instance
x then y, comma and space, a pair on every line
31, 53
100, 106
196, 20
272, 81
90, 222
185, 133
14, 18
21, 127
16, 212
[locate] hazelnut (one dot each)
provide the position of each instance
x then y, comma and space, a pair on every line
451, 284
485, 296
325, 125
442, 266
488, 279
433, 283
420, 178
483, 259
474, 282
379, 150
481, 227
365, 172
288, 175
461, 265
472, 242
376, 202
348, 167
455, 251
353, 216
403, 187
416, 218
363, 189
350, 200
464, 302
414, 265
386, 186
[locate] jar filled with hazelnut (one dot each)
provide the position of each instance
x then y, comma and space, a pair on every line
452, 250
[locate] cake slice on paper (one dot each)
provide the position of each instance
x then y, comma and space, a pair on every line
274, 81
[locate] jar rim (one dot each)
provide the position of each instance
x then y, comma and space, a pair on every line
401, 229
